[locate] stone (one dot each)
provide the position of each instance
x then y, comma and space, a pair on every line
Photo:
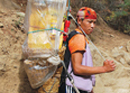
127, 58
15, 67
122, 61
121, 91
111, 35
1, 32
128, 46
115, 52
21, 14
1, 25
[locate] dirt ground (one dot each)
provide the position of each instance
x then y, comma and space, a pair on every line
12, 36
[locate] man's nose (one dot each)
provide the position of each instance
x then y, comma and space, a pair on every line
92, 25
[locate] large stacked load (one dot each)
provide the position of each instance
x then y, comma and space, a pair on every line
43, 23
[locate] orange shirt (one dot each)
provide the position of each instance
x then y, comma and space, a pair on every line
77, 42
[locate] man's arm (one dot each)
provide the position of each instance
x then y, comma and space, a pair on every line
80, 69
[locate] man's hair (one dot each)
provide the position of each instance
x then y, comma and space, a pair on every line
77, 22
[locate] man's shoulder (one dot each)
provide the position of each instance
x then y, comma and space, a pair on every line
78, 38
76, 34
77, 42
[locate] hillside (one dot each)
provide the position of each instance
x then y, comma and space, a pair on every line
112, 44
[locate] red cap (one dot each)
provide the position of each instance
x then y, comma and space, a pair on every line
86, 13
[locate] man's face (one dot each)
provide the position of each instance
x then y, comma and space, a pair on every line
87, 25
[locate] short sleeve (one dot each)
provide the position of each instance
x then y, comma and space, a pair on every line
76, 43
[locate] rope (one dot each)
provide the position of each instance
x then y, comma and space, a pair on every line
35, 31
68, 11
70, 77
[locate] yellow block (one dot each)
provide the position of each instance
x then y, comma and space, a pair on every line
42, 39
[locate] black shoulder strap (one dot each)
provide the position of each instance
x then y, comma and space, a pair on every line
67, 55
71, 34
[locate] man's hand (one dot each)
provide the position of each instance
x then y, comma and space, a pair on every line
109, 65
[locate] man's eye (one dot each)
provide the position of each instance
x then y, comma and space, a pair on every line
94, 22
90, 21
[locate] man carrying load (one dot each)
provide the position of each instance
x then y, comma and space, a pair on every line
78, 56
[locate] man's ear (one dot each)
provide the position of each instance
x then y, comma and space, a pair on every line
79, 21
